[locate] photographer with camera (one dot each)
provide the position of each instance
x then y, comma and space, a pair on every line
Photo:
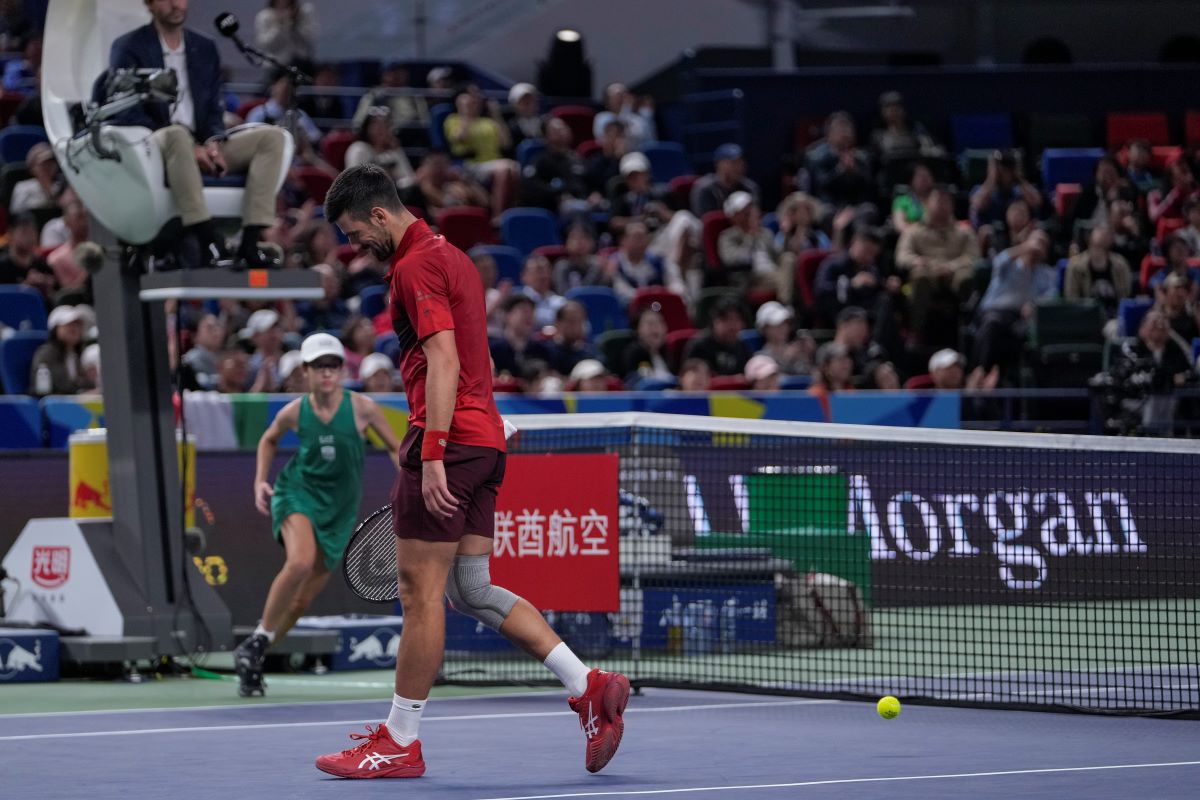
1005, 182
1139, 387
192, 137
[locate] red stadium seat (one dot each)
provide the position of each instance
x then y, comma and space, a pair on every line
1123, 128
670, 305
334, 146
919, 382
249, 105
466, 226
1066, 195
714, 223
1167, 226
1150, 265
9, 102
1191, 129
586, 148
316, 182
551, 251
347, 253
681, 190
807, 264
579, 120
728, 383
676, 343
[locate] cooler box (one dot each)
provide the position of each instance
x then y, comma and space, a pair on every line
28, 655
90, 496
364, 642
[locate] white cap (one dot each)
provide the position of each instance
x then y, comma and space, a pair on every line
634, 162
438, 74
65, 315
373, 363
260, 321
759, 367
588, 368
771, 312
90, 357
288, 363
519, 90
321, 344
944, 358
736, 202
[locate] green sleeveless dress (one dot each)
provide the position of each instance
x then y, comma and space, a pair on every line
323, 480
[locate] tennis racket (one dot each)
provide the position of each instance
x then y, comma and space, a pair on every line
370, 562
369, 565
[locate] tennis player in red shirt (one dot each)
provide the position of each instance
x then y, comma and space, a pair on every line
444, 501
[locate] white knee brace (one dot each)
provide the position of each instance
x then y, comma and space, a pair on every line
469, 587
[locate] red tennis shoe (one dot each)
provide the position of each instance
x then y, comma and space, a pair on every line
600, 709
377, 757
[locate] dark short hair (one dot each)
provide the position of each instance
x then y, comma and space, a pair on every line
868, 233
516, 300
359, 189
850, 313
24, 219
728, 305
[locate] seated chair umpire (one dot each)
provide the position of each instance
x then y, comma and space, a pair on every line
192, 137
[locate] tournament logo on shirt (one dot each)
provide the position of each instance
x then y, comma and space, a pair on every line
328, 448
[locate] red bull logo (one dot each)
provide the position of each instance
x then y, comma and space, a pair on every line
88, 495
51, 566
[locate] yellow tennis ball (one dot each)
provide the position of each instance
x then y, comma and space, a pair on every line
888, 707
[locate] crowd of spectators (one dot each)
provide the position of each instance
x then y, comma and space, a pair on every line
881, 267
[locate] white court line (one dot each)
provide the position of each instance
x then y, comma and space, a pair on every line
457, 718
896, 778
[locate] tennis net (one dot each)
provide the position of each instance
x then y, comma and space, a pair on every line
1013, 570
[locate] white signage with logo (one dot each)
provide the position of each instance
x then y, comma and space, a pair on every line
60, 581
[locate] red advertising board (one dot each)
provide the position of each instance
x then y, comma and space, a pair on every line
557, 531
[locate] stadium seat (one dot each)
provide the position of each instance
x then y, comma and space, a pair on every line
334, 146
21, 421
388, 344
1121, 128
15, 141
553, 252
681, 190
508, 261
981, 131
579, 120
22, 308
667, 161
807, 264
611, 345
752, 339
656, 384
918, 382
1167, 226
246, 106
729, 383
795, 383
466, 226
316, 182
1069, 165
605, 312
670, 305
529, 150
16, 356
586, 148
1060, 322
1066, 197
437, 125
372, 301
713, 224
528, 229
770, 221
1067, 366
1060, 278
1130, 312
9, 103
1195, 349
1059, 130
677, 342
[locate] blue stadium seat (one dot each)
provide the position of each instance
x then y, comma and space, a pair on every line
508, 261
981, 131
437, 125
21, 422
389, 345
795, 382
1069, 165
1130, 312
529, 150
1061, 269
15, 141
16, 356
605, 312
752, 339
527, 229
770, 221
22, 307
657, 384
667, 161
1195, 349
372, 300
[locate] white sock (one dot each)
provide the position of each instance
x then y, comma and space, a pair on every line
567, 667
405, 719
261, 631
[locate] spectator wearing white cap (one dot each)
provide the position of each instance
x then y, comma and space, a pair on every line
527, 119
793, 354
441, 78
728, 176
589, 375
636, 114
55, 368
293, 379
38, 191
762, 373
747, 249
377, 374
265, 332
947, 373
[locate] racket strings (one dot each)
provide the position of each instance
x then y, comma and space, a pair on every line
370, 565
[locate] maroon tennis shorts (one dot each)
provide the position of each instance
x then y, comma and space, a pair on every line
473, 474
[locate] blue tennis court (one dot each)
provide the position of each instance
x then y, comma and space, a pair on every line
677, 743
